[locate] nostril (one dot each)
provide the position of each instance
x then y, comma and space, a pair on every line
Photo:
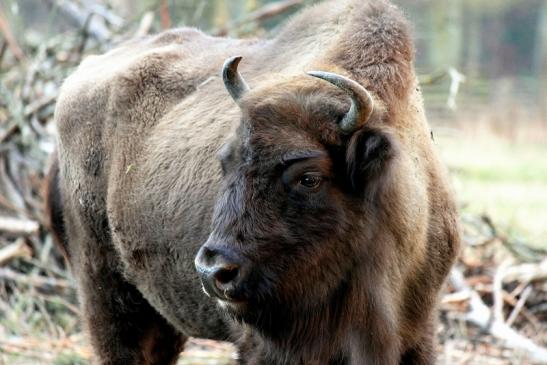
226, 274
208, 253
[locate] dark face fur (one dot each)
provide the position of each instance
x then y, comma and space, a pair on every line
293, 216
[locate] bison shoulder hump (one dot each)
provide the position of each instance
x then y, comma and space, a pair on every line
142, 78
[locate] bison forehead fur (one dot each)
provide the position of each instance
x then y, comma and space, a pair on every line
314, 244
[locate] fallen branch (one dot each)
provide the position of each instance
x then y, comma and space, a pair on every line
10, 39
36, 281
497, 288
266, 12
520, 304
19, 248
481, 316
18, 226
3, 49
39, 104
518, 249
96, 28
101, 10
8, 132
526, 272
508, 298
273, 9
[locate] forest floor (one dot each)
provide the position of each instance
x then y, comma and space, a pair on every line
493, 310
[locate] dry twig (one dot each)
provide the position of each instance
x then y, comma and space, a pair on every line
18, 225
266, 12
11, 42
36, 281
19, 248
480, 315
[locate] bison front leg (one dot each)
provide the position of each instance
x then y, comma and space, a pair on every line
375, 340
421, 354
423, 351
122, 326
381, 348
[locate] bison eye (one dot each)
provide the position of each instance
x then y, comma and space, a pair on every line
310, 181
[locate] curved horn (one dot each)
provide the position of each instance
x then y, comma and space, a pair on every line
361, 100
232, 79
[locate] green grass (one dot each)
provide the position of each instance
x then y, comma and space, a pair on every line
506, 180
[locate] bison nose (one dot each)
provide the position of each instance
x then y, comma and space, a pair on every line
220, 272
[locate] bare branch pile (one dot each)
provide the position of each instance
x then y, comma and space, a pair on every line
494, 310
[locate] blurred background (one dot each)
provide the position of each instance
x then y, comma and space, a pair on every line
483, 69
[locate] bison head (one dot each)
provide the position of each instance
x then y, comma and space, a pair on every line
298, 209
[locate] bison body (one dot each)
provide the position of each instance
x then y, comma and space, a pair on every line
332, 243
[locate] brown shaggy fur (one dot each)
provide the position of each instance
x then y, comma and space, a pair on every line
346, 274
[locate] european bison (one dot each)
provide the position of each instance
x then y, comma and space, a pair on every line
324, 221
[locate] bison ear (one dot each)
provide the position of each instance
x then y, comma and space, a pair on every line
368, 157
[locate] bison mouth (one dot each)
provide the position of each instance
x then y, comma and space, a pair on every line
235, 296
253, 299
223, 291
240, 302
231, 301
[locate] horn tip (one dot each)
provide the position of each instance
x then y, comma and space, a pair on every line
323, 75
316, 73
233, 60
230, 64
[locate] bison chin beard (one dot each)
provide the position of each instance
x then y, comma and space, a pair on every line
282, 319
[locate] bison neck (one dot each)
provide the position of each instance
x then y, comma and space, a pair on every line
315, 334
353, 326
